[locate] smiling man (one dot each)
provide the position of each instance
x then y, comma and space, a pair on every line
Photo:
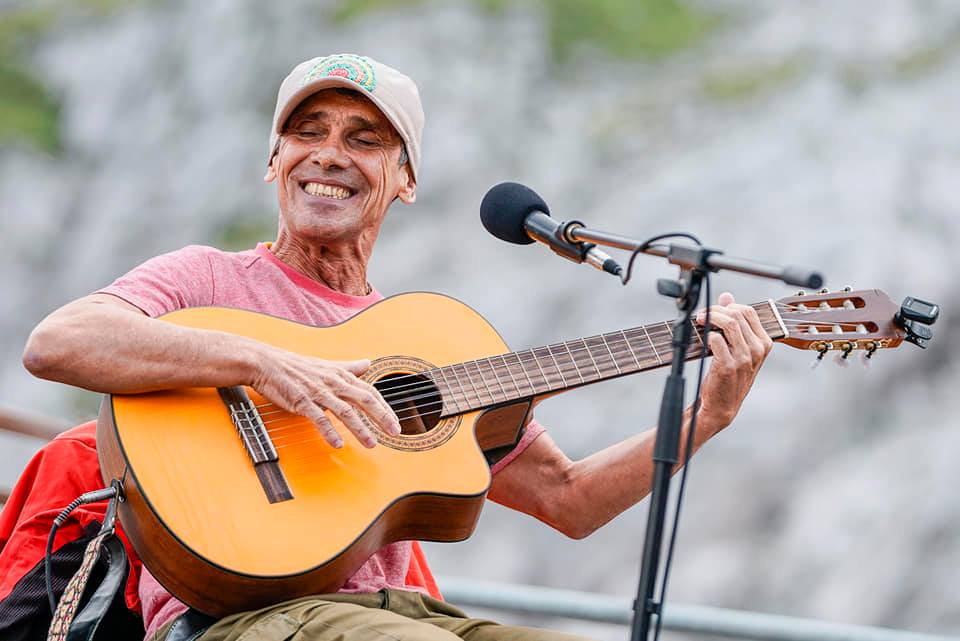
344, 145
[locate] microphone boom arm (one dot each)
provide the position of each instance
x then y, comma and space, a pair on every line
687, 257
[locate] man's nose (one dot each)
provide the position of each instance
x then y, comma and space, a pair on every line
330, 154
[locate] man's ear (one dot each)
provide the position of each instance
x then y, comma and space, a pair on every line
271, 174
408, 190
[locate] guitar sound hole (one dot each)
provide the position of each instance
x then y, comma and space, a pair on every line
415, 399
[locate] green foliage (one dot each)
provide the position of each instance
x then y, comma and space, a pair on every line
28, 114
926, 58
625, 28
244, 232
743, 82
622, 28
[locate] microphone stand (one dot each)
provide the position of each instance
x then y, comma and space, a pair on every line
695, 263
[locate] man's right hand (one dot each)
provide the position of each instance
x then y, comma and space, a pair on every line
104, 344
308, 386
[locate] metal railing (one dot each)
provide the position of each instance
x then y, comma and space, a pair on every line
737, 624
28, 424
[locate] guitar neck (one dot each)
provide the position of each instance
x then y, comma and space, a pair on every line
516, 376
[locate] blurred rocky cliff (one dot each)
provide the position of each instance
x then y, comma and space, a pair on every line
819, 133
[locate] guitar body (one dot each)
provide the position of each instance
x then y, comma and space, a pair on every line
234, 504
204, 522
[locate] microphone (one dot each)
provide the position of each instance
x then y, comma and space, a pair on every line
517, 214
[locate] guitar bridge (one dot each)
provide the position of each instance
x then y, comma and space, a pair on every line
256, 440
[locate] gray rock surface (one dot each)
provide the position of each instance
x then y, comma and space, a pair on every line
819, 133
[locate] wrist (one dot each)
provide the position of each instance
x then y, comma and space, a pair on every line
252, 355
708, 423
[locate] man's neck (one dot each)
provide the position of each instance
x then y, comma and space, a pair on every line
341, 269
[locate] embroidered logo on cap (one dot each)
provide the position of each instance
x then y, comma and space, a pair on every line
345, 65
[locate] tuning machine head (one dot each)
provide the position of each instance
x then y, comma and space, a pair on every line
914, 316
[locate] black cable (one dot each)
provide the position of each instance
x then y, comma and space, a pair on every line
625, 278
686, 462
89, 497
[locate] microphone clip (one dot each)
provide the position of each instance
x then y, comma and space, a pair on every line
580, 251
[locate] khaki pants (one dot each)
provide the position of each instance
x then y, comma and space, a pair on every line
388, 615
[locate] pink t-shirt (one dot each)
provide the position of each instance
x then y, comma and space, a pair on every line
258, 281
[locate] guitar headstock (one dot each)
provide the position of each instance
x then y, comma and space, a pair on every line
847, 320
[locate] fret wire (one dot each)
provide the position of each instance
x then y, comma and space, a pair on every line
493, 368
546, 379
557, 364
643, 349
577, 362
523, 369
615, 363
650, 340
697, 332
595, 353
574, 361
463, 388
453, 394
629, 353
472, 384
583, 342
669, 331
483, 379
630, 347
510, 374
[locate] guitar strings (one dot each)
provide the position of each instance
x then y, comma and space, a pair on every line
418, 410
614, 347
518, 358
299, 424
764, 306
294, 421
405, 396
477, 392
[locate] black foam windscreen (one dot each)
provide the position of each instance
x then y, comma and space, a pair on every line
504, 209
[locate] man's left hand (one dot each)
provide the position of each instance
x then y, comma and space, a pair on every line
738, 353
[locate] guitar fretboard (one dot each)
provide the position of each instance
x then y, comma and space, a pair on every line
514, 376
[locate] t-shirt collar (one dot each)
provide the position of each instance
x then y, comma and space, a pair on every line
305, 282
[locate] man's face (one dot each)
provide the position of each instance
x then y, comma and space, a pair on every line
337, 169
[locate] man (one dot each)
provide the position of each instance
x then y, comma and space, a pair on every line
345, 144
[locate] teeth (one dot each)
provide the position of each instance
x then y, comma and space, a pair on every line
329, 191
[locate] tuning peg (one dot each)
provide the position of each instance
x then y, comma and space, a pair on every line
821, 352
841, 360
865, 359
845, 354
847, 288
824, 291
801, 293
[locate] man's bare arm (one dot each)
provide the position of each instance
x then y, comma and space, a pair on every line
579, 497
105, 344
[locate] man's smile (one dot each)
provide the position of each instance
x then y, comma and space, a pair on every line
326, 190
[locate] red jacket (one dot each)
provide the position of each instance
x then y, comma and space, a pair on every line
60, 472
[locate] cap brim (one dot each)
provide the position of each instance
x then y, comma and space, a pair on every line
328, 82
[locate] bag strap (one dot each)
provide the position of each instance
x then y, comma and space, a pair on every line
67, 625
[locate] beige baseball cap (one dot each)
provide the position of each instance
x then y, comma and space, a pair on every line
393, 93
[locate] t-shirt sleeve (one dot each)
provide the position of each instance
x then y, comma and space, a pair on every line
168, 282
530, 433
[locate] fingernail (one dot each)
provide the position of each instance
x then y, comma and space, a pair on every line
337, 443
395, 429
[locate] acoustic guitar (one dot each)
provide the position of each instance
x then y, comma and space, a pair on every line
234, 504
